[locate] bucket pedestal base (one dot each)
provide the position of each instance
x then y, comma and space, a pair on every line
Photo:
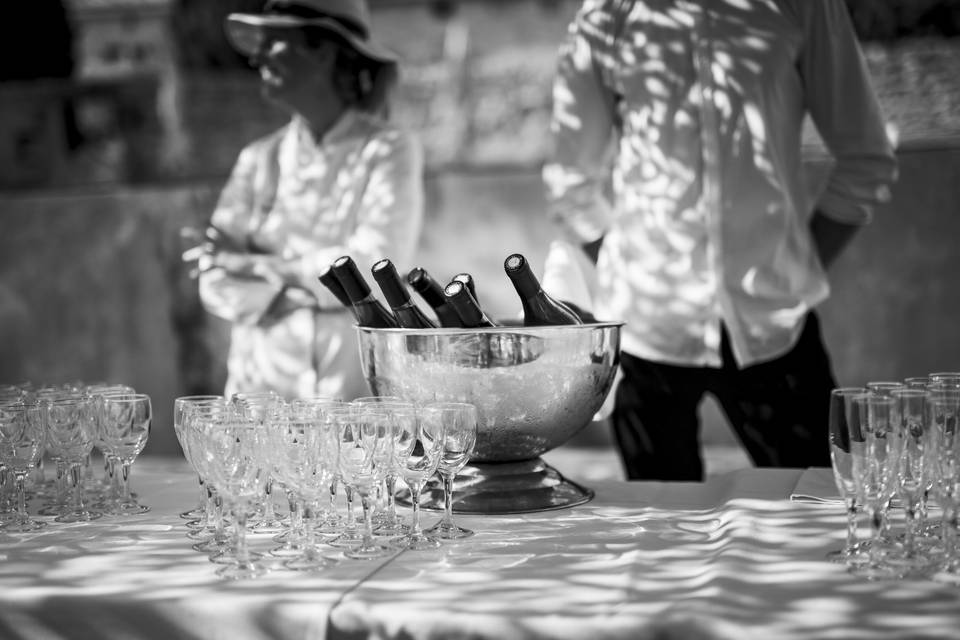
507, 487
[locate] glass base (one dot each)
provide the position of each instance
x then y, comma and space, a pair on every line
448, 531
291, 548
522, 486
398, 528
310, 561
419, 542
877, 571
347, 540
369, 551
78, 516
243, 571
22, 526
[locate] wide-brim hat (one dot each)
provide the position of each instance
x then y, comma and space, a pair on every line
346, 20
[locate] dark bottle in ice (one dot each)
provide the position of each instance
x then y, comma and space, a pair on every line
471, 315
329, 279
369, 311
539, 307
432, 293
405, 310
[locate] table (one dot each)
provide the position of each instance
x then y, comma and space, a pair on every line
730, 558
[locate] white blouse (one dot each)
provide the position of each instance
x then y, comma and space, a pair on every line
295, 205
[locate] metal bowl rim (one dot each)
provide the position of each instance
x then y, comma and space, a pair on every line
440, 331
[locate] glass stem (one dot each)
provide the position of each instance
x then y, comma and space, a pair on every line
202, 501
911, 514
923, 510
125, 482
61, 482
240, 534
447, 498
309, 527
876, 526
20, 480
114, 484
351, 521
210, 519
851, 526
949, 526
391, 506
269, 515
296, 519
76, 486
415, 489
332, 496
367, 519
220, 534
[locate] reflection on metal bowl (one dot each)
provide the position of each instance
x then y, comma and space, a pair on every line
534, 388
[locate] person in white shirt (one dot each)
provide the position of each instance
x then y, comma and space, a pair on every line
677, 165
338, 179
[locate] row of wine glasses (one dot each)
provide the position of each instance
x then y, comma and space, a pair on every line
309, 449
896, 442
63, 425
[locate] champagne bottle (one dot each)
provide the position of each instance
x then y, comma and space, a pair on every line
329, 279
471, 315
539, 308
407, 313
428, 288
370, 312
468, 280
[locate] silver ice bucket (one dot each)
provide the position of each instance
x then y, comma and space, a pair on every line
534, 388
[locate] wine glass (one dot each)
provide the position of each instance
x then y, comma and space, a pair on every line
124, 430
945, 425
22, 433
365, 444
180, 407
949, 379
232, 453
419, 447
347, 533
841, 459
460, 436
71, 430
59, 497
213, 537
876, 467
912, 427
303, 448
402, 414
261, 407
96, 392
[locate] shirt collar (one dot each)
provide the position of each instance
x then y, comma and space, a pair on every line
340, 130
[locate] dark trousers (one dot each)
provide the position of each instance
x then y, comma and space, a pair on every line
778, 409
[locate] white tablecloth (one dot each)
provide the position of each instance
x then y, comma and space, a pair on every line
732, 558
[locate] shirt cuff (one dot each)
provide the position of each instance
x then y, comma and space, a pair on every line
845, 211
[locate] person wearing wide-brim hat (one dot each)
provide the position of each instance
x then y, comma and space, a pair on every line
338, 179
366, 69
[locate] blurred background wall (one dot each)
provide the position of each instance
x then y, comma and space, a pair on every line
108, 153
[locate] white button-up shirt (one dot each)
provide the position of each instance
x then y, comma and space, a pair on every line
710, 209
296, 205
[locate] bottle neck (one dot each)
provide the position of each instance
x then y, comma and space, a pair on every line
524, 281
353, 283
390, 284
467, 308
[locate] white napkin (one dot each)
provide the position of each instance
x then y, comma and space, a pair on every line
816, 484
